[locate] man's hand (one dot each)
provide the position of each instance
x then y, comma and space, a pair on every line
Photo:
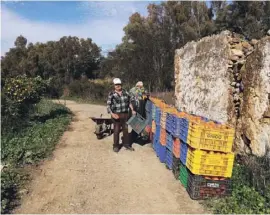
115, 116
133, 112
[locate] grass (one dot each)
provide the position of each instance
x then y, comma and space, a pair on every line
29, 146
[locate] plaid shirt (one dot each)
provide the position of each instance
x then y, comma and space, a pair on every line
117, 103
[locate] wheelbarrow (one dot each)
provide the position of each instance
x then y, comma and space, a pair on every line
103, 126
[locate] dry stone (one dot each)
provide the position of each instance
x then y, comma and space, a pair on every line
237, 52
254, 41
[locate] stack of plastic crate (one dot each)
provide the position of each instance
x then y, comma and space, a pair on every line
163, 119
169, 151
183, 152
156, 139
153, 111
183, 129
176, 148
169, 123
176, 167
183, 175
163, 136
197, 150
148, 111
157, 115
209, 159
200, 187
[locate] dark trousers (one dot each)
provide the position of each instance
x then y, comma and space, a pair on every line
119, 124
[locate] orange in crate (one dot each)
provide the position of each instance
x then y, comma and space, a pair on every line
176, 147
163, 138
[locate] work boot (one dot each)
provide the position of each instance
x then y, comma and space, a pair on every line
128, 147
116, 149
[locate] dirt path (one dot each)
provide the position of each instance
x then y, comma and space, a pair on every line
86, 176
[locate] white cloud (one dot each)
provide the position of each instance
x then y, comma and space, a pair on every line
105, 30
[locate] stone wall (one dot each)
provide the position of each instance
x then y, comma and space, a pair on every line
213, 79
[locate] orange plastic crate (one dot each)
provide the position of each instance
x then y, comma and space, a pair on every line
163, 138
176, 147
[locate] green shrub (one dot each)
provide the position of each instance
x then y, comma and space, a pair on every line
90, 90
11, 181
25, 90
246, 198
17, 99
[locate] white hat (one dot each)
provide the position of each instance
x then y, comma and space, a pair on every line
117, 81
140, 83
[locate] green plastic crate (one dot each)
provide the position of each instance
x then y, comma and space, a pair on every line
137, 123
183, 177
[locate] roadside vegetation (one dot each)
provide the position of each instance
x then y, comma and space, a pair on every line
31, 127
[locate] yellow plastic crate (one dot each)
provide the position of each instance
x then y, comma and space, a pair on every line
210, 163
218, 138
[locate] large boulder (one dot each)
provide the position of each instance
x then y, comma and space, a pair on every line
255, 111
222, 78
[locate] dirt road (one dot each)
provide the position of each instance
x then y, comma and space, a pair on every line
86, 176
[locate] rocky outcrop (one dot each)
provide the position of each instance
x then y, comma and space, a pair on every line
254, 121
224, 78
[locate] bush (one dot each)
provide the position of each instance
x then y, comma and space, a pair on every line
251, 189
11, 181
17, 99
24, 90
90, 90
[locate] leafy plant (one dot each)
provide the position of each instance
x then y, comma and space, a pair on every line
246, 198
11, 181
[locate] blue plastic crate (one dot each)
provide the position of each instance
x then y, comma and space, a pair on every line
183, 134
174, 126
183, 129
169, 159
148, 106
183, 152
155, 145
184, 122
169, 142
177, 131
161, 153
149, 119
157, 116
169, 123
157, 134
153, 111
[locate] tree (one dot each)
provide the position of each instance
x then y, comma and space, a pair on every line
248, 18
64, 60
147, 49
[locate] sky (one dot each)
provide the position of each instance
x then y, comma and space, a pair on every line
42, 21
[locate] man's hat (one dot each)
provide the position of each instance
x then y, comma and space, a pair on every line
117, 81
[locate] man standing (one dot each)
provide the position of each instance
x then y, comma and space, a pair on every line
118, 104
137, 94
